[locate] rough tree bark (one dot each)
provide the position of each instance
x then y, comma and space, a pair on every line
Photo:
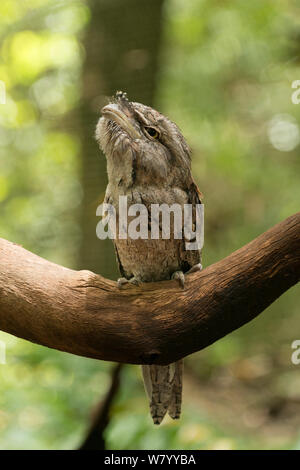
85, 314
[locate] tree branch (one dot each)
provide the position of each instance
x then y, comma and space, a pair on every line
85, 314
95, 438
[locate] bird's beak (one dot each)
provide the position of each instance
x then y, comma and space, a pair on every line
113, 112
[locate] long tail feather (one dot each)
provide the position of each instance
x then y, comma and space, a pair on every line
163, 385
174, 409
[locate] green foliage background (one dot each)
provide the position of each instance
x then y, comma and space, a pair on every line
226, 70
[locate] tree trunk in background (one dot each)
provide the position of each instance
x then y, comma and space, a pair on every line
122, 49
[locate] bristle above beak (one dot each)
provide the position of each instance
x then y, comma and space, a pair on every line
121, 95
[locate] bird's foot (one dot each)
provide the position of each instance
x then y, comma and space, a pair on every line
180, 276
122, 281
195, 268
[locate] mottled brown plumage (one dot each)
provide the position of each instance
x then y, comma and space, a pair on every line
148, 161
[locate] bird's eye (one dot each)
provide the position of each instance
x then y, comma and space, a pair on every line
152, 132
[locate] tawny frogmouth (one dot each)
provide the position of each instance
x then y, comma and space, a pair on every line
148, 160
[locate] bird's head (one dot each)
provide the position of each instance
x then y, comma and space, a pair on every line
139, 140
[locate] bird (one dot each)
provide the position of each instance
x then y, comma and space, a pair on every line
149, 162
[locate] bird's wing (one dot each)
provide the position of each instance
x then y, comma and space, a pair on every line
121, 269
195, 195
108, 200
190, 257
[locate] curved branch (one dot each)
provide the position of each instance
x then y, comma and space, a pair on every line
83, 313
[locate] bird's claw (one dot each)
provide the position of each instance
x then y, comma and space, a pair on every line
122, 281
180, 276
195, 268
